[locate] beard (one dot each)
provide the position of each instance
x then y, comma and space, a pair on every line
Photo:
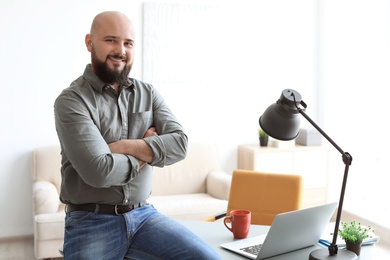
108, 75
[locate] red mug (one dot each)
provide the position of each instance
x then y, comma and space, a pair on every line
240, 220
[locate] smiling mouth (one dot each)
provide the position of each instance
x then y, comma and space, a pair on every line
117, 58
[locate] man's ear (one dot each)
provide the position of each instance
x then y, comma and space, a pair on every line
88, 42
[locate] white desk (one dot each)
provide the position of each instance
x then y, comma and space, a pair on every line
215, 233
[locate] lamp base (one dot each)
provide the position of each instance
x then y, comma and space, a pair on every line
324, 254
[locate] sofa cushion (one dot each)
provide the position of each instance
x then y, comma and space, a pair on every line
192, 206
218, 184
189, 175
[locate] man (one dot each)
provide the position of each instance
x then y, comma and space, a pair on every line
112, 130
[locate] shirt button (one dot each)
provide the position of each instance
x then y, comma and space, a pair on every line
126, 201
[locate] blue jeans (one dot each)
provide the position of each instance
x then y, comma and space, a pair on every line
142, 233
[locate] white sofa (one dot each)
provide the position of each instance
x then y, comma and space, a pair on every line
193, 188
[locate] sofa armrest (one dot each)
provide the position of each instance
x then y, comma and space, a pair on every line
45, 197
218, 184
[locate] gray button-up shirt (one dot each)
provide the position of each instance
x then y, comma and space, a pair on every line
89, 115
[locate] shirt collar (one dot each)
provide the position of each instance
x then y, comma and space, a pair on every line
99, 85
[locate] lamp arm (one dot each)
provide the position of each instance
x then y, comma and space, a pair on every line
320, 130
347, 159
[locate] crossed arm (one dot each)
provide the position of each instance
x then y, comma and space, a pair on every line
135, 147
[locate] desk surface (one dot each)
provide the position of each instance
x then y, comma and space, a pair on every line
215, 233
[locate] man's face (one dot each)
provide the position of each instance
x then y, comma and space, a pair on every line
112, 48
111, 72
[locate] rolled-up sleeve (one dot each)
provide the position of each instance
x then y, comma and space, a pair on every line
170, 146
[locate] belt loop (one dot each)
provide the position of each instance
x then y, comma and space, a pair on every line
97, 208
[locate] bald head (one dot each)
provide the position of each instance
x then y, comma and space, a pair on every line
111, 19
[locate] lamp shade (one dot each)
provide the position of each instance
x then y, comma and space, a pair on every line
281, 120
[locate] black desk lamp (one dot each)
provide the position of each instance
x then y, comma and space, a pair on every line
281, 121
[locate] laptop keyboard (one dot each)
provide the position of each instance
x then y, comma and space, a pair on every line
254, 250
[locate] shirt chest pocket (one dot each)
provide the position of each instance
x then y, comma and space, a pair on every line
139, 123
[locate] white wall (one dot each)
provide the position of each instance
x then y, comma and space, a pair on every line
356, 86
314, 47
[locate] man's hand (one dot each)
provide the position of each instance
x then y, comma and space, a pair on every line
151, 132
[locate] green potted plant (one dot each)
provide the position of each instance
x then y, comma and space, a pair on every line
263, 137
353, 233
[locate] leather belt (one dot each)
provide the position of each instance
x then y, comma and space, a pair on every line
103, 208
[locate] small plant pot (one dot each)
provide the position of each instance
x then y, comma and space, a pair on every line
354, 247
263, 141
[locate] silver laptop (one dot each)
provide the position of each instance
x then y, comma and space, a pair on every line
289, 231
